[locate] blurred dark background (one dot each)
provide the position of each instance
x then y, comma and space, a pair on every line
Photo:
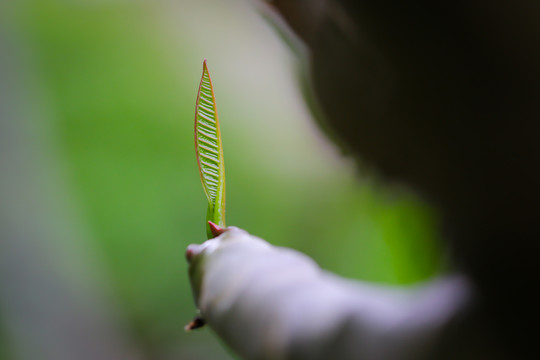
99, 186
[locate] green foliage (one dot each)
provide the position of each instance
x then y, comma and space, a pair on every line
210, 151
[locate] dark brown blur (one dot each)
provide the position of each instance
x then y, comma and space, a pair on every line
445, 96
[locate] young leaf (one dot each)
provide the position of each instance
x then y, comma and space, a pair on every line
210, 152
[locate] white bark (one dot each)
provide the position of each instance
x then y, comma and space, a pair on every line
268, 302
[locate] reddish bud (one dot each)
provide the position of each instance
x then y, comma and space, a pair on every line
189, 252
196, 323
215, 229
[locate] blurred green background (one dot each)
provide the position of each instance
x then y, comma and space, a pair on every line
100, 189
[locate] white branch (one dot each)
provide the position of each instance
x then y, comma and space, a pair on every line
268, 302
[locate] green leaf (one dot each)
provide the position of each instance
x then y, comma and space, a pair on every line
209, 151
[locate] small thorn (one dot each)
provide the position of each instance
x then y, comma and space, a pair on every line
196, 323
215, 229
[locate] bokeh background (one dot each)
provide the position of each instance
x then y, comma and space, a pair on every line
100, 192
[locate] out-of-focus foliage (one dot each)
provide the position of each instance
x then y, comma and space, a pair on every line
111, 89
